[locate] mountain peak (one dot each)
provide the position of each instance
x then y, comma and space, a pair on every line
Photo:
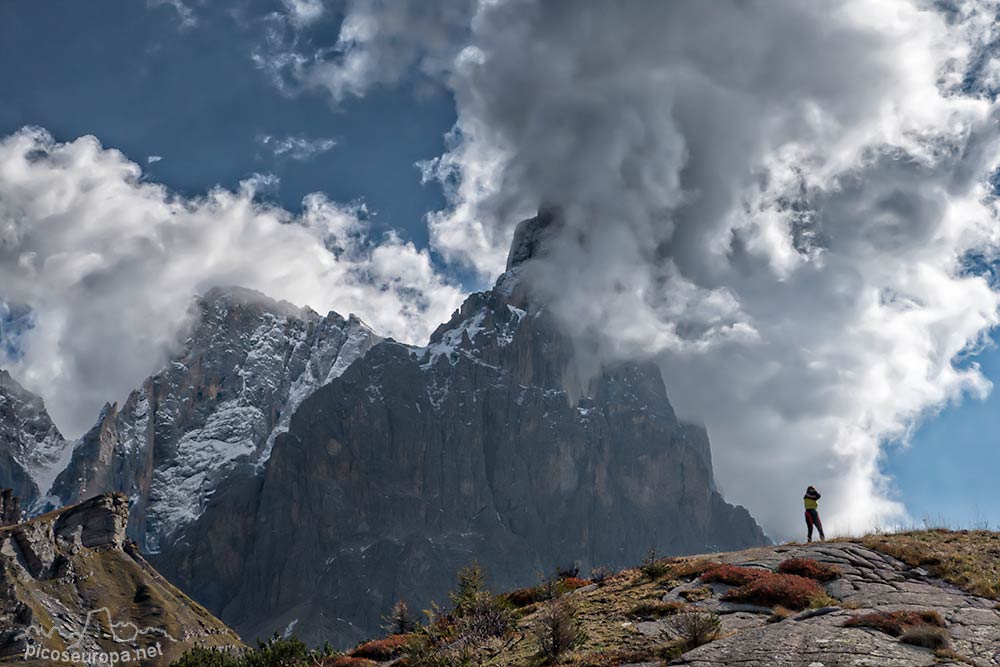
531, 235
236, 296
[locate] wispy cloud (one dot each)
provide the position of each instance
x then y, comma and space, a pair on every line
304, 12
153, 159
296, 147
184, 12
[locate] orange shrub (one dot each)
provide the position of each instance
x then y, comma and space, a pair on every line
572, 583
805, 567
382, 649
770, 589
895, 622
733, 575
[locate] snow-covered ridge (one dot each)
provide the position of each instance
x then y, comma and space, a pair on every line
28, 435
247, 365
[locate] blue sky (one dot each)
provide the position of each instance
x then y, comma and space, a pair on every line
948, 475
142, 82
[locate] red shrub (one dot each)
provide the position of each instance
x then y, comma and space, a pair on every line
805, 567
572, 583
733, 575
770, 589
552, 589
522, 597
382, 649
895, 622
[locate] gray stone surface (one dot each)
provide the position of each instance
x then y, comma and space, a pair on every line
871, 582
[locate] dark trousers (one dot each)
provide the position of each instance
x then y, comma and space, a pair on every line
812, 519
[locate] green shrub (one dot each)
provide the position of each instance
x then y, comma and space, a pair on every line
471, 586
654, 609
654, 567
399, 621
275, 652
695, 628
207, 657
558, 629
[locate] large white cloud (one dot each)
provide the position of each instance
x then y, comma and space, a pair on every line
775, 199
109, 263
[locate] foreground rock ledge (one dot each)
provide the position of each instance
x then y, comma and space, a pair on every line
871, 582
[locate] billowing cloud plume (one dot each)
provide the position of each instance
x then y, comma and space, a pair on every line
108, 264
775, 199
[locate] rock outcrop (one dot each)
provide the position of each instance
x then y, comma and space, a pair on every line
490, 443
70, 580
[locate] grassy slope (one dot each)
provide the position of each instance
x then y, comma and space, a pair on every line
970, 559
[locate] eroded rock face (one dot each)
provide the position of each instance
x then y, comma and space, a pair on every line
219, 404
70, 580
489, 444
871, 582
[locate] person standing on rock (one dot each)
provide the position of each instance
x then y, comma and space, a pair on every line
812, 513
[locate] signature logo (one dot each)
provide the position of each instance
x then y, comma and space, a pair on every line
82, 645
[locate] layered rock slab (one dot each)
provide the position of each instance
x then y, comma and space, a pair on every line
871, 582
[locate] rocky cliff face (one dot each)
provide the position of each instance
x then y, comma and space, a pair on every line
294, 471
30, 444
220, 403
489, 444
71, 581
